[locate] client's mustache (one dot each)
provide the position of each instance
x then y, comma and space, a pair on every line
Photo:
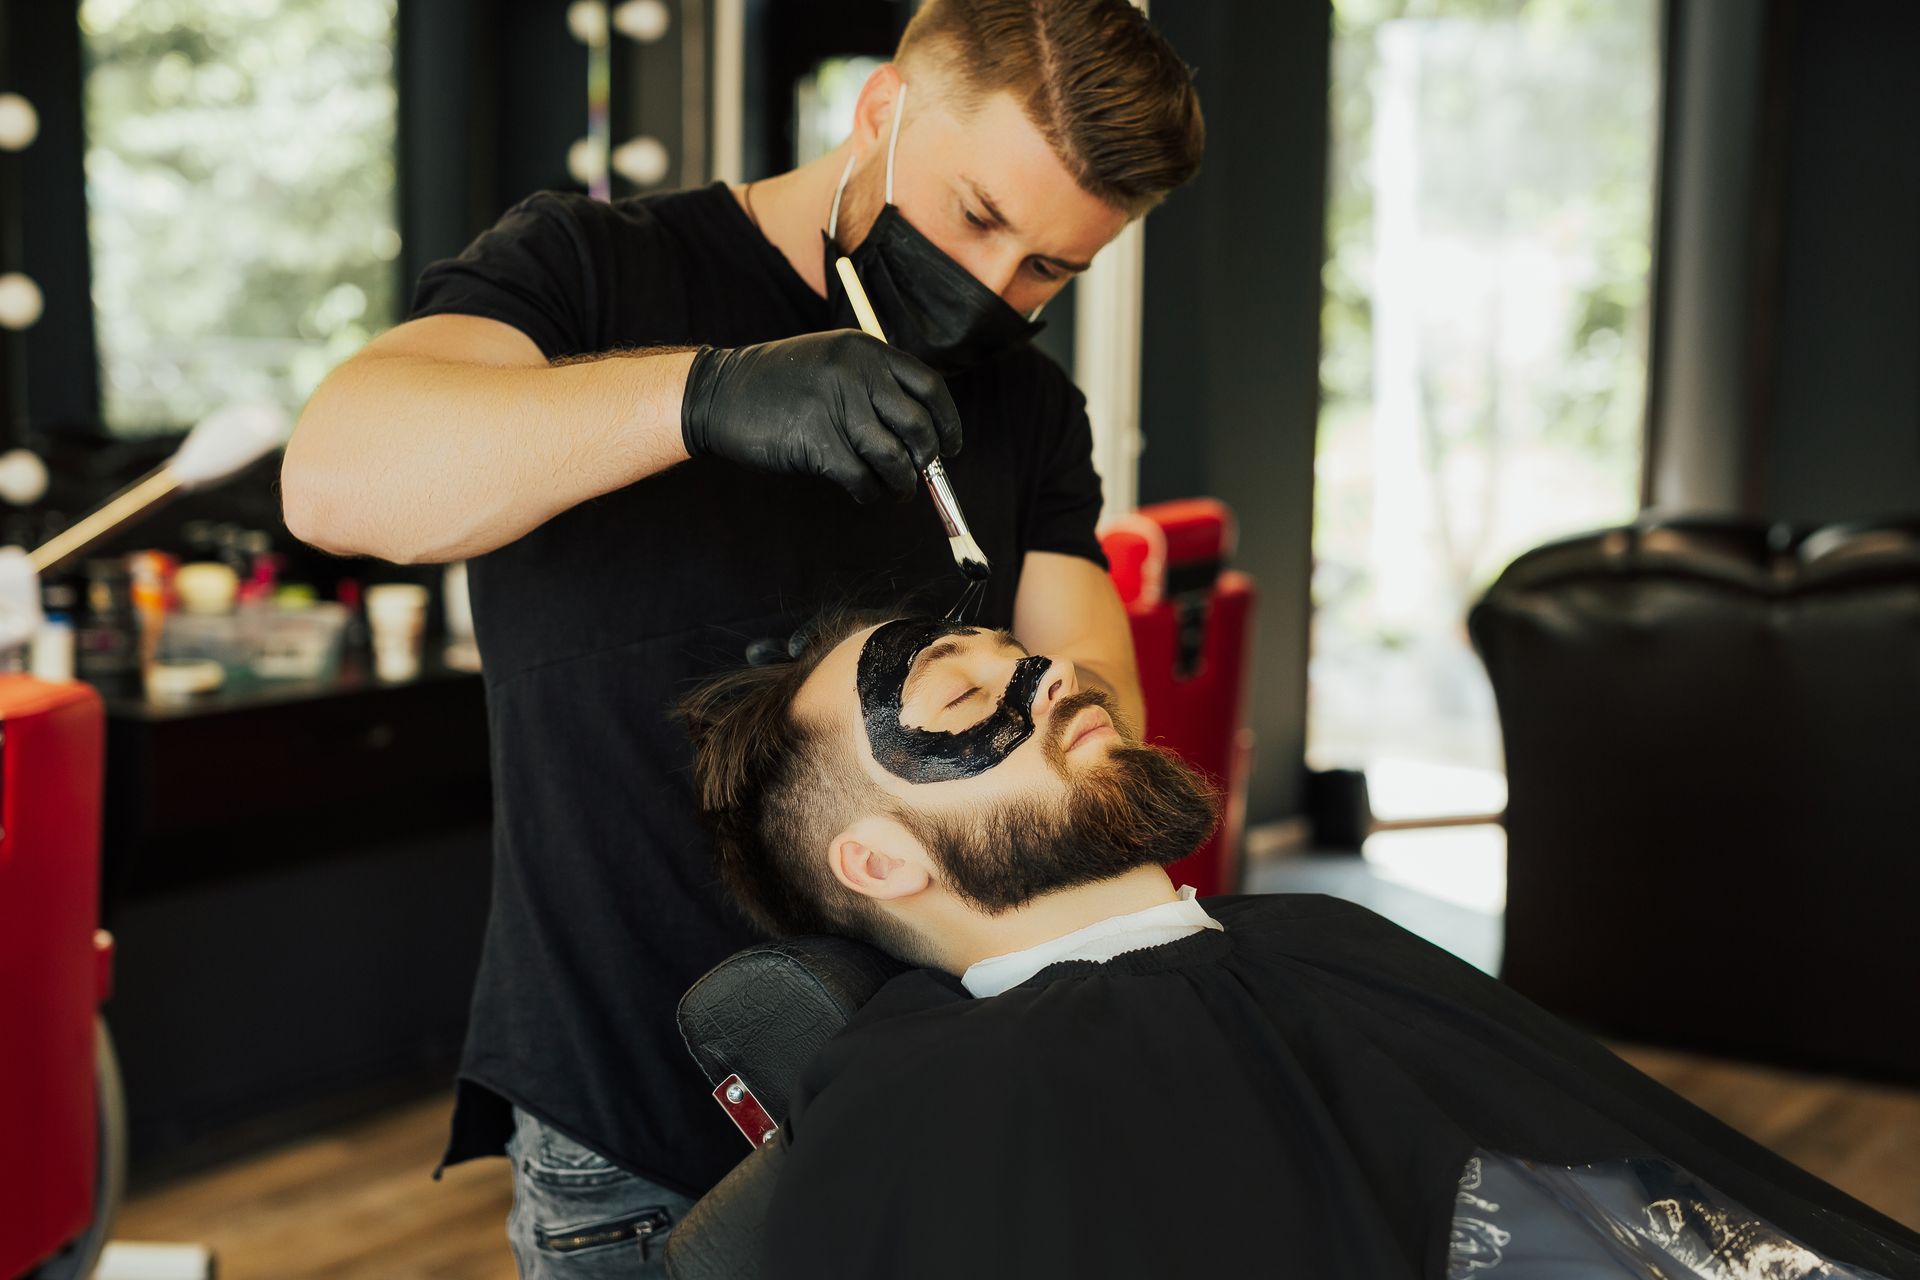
1072, 705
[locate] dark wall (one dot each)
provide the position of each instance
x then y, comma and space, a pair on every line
1845, 439
447, 72
56, 379
1786, 350
1711, 272
1230, 384
492, 94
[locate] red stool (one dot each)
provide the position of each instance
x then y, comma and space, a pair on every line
1192, 623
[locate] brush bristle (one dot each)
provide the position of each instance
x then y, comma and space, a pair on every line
968, 555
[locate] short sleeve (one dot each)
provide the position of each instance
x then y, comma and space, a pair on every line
530, 270
1068, 496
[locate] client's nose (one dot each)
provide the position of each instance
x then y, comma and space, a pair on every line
1059, 682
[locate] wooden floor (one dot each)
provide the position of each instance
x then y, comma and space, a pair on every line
360, 1202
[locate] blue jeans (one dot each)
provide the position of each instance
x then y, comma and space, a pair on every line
578, 1216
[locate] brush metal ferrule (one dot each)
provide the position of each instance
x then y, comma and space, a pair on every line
943, 500
959, 537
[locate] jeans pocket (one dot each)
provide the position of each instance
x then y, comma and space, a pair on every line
637, 1230
578, 1215
556, 1160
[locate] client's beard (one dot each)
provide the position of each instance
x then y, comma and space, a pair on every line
1138, 806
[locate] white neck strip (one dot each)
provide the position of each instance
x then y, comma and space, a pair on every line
1100, 941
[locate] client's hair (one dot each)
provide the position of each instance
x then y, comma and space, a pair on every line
774, 791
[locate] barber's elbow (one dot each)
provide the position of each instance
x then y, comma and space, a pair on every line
303, 502
325, 506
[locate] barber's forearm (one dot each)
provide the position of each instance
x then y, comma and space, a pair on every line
418, 460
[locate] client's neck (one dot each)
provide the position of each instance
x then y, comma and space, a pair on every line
970, 936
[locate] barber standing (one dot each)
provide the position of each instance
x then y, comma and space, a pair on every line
649, 426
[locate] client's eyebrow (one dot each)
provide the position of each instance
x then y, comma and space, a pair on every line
925, 661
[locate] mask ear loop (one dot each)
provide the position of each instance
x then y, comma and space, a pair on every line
893, 142
833, 215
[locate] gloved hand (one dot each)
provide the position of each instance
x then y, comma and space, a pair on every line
838, 404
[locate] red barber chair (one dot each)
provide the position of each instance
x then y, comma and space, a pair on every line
62, 1117
1192, 632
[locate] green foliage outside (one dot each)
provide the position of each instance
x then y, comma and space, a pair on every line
1506, 409
241, 198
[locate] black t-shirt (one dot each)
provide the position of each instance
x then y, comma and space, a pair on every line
605, 903
1300, 1095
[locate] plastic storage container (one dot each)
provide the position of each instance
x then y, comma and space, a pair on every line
261, 641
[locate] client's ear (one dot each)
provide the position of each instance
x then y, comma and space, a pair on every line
878, 858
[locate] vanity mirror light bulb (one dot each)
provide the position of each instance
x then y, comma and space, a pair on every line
587, 20
642, 20
642, 161
20, 301
19, 123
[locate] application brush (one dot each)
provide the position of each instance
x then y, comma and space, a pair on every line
966, 552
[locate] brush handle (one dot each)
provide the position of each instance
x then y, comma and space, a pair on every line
869, 322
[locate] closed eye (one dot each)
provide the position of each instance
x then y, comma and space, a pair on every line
976, 220
962, 698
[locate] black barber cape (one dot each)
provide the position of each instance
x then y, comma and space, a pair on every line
1313, 1093
605, 905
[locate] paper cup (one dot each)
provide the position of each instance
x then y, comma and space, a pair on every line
397, 616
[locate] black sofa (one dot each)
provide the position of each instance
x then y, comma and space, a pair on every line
1712, 737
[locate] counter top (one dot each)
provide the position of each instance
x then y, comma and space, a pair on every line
125, 699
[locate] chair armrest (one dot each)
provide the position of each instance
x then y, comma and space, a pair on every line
720, 1237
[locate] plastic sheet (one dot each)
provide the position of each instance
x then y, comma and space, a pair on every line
1641, 1218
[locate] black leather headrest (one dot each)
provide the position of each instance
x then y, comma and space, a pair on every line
1750, 557
764, 1012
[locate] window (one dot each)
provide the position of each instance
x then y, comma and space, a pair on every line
241, 198
1490, 212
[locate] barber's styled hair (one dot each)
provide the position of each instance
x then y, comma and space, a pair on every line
774, 791
1105, 89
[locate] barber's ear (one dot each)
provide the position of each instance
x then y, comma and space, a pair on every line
878, 858
873, 111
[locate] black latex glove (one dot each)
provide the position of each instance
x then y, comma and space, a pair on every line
839, 404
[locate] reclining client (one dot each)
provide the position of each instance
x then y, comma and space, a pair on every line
1091, 1073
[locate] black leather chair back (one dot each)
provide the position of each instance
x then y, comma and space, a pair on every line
762, 1013
1712, 738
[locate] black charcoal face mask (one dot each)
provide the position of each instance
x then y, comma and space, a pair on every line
929, 755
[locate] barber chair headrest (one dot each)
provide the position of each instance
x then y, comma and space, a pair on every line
762, 1014
1168, 550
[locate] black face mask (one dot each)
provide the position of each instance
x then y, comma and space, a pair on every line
930, 305
931, 755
